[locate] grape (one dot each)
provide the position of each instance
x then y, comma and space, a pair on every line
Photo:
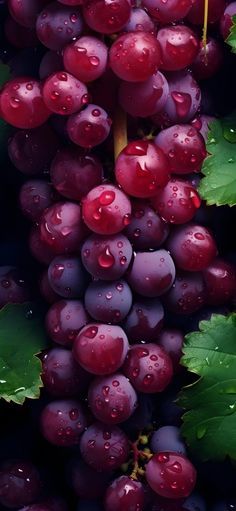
146, 229
19, 482
35, 196
192, 247
106, 209
167, 438
148, 367
45, 289
195, 502
187, 295
71, 2
171, 475
145, 320
51, 504
61, 227
226, 20
90, 127
32, 151
80, 476
51, 62
86, 58
21, 103
104, 447
19, 36
177, 202
166, 12
215, 10
62, 422
67, 277
64, 320
179, 46
184, 147
172, 341
61, 376
106, 17
74, 174
151, 273
135, 56
13, 286
26, 11
124, 494
112, 399
208, 60
108, 301
102, 94
141, 169
38, 248
143, 99
63, 94
204, 122
169, 412
139, 21
57, 25
101, 349
106, 257
220, 280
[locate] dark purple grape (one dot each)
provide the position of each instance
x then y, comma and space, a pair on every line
106, 257
104, 447
178, 202
220, 280
90, 127
80, 476
145, 320
38, 248
19, 36
67, 277
35, 196
108, 301
19, 483
112, 399
61, 375
167, 438
13, 286
46, 290
208, 60
139, 21
196, 502
152, 273
64, 320
62, 422
31, 151
188, 293
124, 494
146, 229
142, 99
51, 62
172, 341
26, 11
51, 504
74, 174
58, 24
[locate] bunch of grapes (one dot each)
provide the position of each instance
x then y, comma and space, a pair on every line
121, 237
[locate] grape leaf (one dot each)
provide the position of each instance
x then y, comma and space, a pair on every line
209, 422
4, 73
219, 168
22, 336
231, 39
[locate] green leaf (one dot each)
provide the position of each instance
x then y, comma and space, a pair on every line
231, 39
209, 423
4, 73
22, 337
219, 168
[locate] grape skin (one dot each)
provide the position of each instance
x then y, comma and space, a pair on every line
67, 277
152, 273
124, 494
19, 482
86, 58
62, 422
64, 320
108, 301
167, 438
145, 320
146, 229
171, 475
53, 17
80, 476
142, 99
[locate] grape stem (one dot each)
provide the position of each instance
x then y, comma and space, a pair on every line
119, 131
204, 35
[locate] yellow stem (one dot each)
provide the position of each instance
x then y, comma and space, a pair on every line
204, 35
119, 131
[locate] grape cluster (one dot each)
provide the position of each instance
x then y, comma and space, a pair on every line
123, 253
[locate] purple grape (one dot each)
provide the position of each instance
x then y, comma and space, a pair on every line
58, 24
165, 13
146, 229
152, 273
172, 341
108, 301
62, 422
61, 375
167, 438
124, 494
90, 127
195, 502
51, 62
67, 277
63, 94
143, 99
104, 447
106, 257
112, 399
26, 11
187, 295
80, 476
35, 196
13, 286
145, 320
64, 320
19, 483
74, 174
38, 248
86, 58
45, 289
19, 36
51, 504
105, 17
139, 21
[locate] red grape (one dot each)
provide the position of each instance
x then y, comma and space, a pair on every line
106, 17
179, 46
144, 321
35, 196
220, 279
146, 230
166, 12
104, 447
215, 10
188, 293
124, 494
108, 301
172, 341
226, 20
90, 127
25, 12
18, 35
142, 99
208, 60
151, 273
64, 320
139, 21
86, 58
178, 202
63, 94
62, 422
57, 25
171, 475
38, 248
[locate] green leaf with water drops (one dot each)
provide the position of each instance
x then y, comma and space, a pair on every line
231, 39
218, 186
209, 421
22, 337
